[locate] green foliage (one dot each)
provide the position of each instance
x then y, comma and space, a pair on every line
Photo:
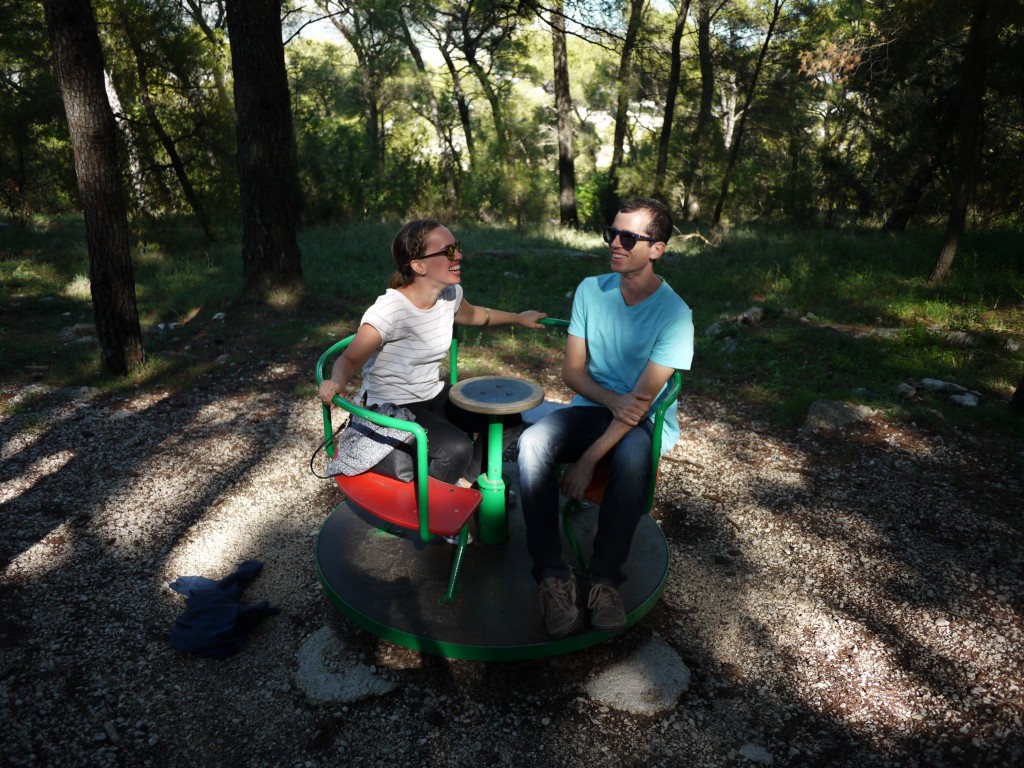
855, 102
36, 173
847, 316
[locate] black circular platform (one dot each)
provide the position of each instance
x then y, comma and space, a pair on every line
393, 585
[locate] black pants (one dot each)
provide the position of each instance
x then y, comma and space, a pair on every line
451, 449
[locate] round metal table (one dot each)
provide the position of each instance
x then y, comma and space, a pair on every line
495, 396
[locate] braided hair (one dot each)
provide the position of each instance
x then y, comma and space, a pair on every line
408, 245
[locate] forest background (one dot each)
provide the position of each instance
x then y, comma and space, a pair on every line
825, 160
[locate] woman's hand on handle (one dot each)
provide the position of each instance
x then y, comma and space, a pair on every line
529, 318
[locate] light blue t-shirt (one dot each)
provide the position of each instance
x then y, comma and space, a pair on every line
621, 339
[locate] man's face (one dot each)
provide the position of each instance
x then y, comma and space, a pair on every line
643, 253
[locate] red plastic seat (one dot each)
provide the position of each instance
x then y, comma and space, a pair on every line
425, 505
395, 502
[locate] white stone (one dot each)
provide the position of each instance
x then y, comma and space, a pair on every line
756, 754
648, 682
968, 399
321, 685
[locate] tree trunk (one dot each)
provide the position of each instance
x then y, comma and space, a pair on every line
1017, 401
266, 149
141, 202
568, 213
734, 148
901, 213
971, 108
693, 181
728, 95
461, 103
497, 112
447, 152
177, 164
671, 88
79, 63
625, 85
369, 90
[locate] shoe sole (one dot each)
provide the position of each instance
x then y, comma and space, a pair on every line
613, 628
568, 630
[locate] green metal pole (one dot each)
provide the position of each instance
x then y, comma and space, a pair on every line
492, 520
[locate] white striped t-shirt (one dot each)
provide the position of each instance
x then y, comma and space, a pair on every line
407, 366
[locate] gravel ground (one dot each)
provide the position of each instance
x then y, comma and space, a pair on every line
846, 600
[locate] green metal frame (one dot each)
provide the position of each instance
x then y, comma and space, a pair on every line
421, 477
548, 648
418, 432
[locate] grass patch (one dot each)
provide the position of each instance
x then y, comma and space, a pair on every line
846, 315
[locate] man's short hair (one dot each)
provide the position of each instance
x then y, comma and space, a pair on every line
661, 218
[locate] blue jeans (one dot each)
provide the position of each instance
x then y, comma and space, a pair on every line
451, 450
561, 438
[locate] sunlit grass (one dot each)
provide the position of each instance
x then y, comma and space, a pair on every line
826, 296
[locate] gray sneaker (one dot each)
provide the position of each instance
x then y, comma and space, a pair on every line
607, 613
558, 604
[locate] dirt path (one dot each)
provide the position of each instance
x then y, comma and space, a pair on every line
849, 601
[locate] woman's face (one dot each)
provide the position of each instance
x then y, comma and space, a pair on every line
435, 263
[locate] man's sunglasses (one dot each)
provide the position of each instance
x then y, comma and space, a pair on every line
628, 240
448, 251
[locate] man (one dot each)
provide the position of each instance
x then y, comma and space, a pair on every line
629, 331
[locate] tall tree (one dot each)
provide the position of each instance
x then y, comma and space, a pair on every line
671, 90
373, 30
443, 139
441, 29
624, 80
567, 210
693, 178
461, 100
480, 31
971, 111
737, 140
79, 63
130, 28
30, 110
266, 148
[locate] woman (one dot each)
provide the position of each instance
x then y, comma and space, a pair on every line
406, 334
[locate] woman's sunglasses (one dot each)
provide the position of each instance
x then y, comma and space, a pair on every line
449, 251
628, 240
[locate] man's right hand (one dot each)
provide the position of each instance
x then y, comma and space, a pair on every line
630, 408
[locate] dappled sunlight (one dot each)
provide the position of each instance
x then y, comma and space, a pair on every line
285, 299
79, 288
51, 553
820, 619
813, 567
844, 670
28, 475
215, 542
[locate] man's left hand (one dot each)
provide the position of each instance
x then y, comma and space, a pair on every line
576, 479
